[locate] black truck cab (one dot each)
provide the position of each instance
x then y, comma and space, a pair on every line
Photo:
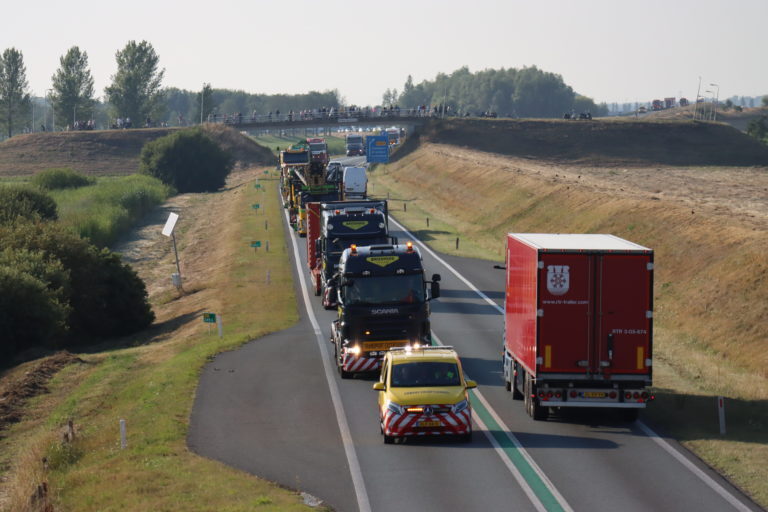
383, 302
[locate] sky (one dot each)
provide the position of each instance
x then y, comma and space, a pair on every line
610, 50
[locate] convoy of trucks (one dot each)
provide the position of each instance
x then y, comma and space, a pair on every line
578, 307
578, 322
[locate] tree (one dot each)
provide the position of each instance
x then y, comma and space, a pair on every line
205, 100
758, 128
73, 86
18, 201
14, 98
135, 90
765, 100
188, 160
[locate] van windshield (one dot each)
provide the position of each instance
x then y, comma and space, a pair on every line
425, 374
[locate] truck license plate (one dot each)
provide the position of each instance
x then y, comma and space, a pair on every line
429, 424
594, 394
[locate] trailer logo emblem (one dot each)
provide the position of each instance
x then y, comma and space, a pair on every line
558, 279
355, 224
382, 261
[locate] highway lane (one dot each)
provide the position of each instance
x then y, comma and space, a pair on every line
272, 415
596, 461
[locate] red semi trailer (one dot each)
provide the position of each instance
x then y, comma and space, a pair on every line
313, 233
578, 322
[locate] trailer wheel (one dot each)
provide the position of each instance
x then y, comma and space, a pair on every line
516, 394
534, 409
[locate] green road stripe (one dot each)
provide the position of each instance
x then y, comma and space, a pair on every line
528, 473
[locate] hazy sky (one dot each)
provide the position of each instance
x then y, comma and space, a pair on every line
610, 50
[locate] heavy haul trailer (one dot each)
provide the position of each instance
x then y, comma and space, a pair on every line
334, 226
294, 161
382, 303
578, 322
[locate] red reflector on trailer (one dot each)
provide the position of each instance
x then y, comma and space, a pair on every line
573, 394
636, 395
627, 395
549, 395
612, 394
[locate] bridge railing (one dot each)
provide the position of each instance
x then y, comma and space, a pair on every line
331, 115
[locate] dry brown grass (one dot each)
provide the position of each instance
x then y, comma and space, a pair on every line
709, 230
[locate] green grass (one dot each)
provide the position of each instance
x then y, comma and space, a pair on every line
336, 145
110, 208
150, 382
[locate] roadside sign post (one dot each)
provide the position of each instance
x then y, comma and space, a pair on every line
210, 319
256, 207
168, 231
255, 244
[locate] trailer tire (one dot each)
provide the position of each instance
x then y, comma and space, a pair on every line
516, 394
534, 409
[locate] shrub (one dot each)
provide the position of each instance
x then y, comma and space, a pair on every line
28, 203
188, 160
107, 298
54, 179
30, 315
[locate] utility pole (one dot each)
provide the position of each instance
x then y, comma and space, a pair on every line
696, 104
717, 100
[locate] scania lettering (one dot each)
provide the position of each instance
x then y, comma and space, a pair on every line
383, 302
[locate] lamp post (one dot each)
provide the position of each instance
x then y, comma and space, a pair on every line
717, 100
709, 114
696, 104
202, 101
53, 110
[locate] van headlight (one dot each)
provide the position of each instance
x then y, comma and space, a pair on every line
460, 406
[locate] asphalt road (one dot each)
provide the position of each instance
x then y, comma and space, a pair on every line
277, 409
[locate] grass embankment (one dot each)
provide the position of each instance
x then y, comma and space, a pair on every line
336, 145
711, 284
150, 379
108, 209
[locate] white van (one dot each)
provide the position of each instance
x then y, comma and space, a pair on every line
355, 183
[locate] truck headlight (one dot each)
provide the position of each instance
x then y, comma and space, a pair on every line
460, 406
355, 351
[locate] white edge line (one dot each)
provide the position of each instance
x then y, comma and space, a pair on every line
729, 497
505, 458
453, 270
719, 489
349, 447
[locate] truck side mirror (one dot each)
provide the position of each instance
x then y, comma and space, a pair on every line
435, 289
436, 278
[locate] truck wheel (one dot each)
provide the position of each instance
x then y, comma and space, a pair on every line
388, 439
538, 411
507, 385
344, 374
318, 288
466, 438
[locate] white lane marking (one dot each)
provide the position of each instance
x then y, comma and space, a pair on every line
711, 483
453, 270
730, 498
505, 458
349, 447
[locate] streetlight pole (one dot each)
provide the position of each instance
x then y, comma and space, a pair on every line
202, 101
53, 110
717, 100
709, 114
696, 104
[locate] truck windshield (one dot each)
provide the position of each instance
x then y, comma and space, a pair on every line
354, 140
318, 148
337, 245
397, 289
425, 374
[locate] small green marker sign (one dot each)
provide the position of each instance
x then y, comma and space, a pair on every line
256, 243
209, 318
258, 185
256, 206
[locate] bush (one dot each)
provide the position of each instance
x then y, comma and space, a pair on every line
106, 297
27, 203
30, 315
188, 160
54, 179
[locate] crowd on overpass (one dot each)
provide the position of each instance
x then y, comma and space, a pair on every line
332, 113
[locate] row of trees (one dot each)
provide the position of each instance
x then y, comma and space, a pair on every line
526, 92
136, 92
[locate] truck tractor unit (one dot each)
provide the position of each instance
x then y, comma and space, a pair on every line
335, 226
294, 163
318, 150
354, 145
383, 302
578, 323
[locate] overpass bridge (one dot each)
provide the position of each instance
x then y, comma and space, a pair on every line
328, 121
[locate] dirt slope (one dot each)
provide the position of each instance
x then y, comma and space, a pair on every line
604, 142
107, 152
